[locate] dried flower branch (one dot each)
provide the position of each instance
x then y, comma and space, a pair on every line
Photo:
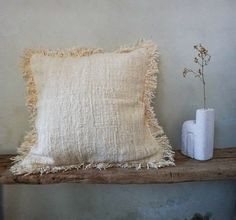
202, 59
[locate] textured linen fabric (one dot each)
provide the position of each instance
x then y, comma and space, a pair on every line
92, 110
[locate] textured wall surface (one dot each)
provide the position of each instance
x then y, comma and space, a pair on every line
175, 26
120, 202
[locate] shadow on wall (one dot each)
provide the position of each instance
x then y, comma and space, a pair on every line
1, 203
121, 202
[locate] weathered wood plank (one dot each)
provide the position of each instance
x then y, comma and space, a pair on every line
221, 167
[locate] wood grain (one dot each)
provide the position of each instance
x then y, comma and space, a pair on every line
221, 167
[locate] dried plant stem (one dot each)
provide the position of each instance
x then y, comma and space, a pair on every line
204, 85
202, 59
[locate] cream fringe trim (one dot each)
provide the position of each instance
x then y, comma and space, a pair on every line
157, 132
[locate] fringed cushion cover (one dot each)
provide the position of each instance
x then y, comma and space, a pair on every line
92, 109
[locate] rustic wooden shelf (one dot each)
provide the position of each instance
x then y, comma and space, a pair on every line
221, 167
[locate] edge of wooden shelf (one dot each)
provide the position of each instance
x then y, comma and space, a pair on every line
221, 167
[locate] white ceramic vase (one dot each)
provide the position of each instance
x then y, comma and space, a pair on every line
198, 135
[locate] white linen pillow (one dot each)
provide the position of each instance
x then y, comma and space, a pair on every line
91, 108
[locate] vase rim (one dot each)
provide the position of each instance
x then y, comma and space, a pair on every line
205, 109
